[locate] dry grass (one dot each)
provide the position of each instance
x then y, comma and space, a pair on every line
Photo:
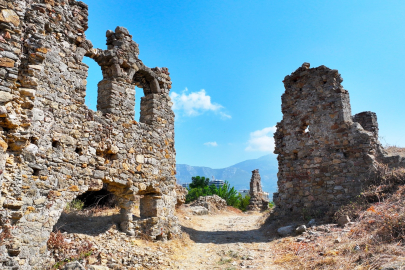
377, 236
394, 150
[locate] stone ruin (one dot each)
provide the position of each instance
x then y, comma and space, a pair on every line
53, 148
257, 202
324, 154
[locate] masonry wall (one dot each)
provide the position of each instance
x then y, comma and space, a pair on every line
54, 148
324, 154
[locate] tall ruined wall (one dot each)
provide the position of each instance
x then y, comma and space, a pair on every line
54, 148
324, 154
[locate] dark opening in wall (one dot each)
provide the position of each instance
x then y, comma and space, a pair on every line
100, 198
79, 151
36, 172
56, 144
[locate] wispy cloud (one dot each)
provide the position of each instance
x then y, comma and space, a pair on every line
213, 144
261, 140
196, 103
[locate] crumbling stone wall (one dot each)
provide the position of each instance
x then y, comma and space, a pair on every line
324, 154
257, 202
53, 148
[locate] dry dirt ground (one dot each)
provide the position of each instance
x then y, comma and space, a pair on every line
227, 240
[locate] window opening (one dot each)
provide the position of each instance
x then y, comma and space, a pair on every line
138, 96
94, 77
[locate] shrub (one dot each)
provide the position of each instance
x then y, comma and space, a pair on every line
244, 202
199, 187
64, 250
230, 195
75, 205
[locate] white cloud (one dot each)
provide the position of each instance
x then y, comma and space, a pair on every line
224, 116
261, 140
213, 144
196, 103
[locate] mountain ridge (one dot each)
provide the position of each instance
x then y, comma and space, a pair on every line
238, 175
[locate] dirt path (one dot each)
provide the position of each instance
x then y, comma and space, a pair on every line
224, 241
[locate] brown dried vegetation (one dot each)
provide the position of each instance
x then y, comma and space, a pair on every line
64, 250
376, 237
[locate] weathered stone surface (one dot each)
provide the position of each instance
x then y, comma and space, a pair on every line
324, 154
6, 62
98, 267
74, 266
301, 229
181, 193
212, 203
54, 148
257, 202
9, 16
5, 97
199, 210
343, 220
286, 230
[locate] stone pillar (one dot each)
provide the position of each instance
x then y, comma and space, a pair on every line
151, 206
257, 202
126, 219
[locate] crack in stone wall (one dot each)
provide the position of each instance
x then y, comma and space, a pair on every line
53, 148
324, 154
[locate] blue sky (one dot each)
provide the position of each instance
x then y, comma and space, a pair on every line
227, 60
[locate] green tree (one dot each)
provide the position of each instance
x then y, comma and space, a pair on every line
200, 187
229, 194
199, 182
244, 202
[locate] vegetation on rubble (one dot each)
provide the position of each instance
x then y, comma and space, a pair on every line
75, 205
200, 187
65, 250
375, 238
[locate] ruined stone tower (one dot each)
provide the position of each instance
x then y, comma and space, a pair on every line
256, 202
324, 154
53, 148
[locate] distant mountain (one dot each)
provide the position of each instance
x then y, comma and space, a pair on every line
238, 175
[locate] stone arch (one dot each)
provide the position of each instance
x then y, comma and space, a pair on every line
145, 79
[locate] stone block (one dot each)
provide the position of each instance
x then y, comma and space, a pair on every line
5, 96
